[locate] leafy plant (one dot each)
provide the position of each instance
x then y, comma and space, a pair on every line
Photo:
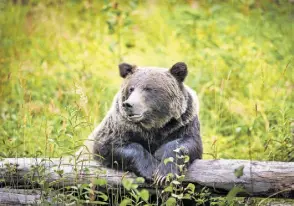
134, 195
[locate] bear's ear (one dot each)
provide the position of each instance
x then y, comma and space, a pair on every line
179, 71
125, 69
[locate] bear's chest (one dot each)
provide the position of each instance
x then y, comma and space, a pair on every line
150, 141
147, 140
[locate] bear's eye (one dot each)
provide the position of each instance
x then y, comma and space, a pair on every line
149, 89
131, 89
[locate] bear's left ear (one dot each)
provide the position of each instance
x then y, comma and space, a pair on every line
179, 71
125, 69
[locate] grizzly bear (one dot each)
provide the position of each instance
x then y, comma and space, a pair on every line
153, 114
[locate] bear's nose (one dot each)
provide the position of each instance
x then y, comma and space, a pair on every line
127, 105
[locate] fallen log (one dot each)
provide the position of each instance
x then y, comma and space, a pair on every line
19, 197
258, 178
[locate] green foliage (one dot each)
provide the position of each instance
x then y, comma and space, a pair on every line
229, 200
134, 195
175, 191
118, 20
239, 171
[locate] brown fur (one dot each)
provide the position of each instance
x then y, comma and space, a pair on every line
166, 107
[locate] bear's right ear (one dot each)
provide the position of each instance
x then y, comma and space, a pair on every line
125, 69
179, 71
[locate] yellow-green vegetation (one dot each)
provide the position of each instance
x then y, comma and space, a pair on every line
59, 70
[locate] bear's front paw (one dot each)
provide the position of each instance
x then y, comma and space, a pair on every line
165, 173
146, 173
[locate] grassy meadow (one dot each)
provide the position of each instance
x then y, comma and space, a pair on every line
58, 70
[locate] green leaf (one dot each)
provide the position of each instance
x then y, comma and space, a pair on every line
171, 201
190, 188
100, 181
233, 192
179, 196
167, 160
127, 183
95, 202
180, 177
135, 186
187, 159
187, 197
144, 194
169, 176
140, 180
135, 195
239, 171
126, 202
102, 196
175, 182
181, 167
74, 187
177, 150
168, 189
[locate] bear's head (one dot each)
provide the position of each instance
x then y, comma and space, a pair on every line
152, 96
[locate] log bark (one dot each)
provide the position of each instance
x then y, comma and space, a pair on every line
19, 197
258, 178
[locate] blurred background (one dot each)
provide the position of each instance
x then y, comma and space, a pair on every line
59, 73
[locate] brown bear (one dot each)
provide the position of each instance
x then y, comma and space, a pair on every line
153, 114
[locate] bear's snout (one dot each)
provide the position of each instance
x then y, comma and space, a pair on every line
134, 105
132, 110
127, 105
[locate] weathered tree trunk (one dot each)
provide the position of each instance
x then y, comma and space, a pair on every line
258, 178
18, 197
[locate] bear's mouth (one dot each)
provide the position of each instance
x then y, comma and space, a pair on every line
135, 117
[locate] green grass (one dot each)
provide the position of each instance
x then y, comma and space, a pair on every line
59, 70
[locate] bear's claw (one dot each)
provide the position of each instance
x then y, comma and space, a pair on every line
159, 180
161, 174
